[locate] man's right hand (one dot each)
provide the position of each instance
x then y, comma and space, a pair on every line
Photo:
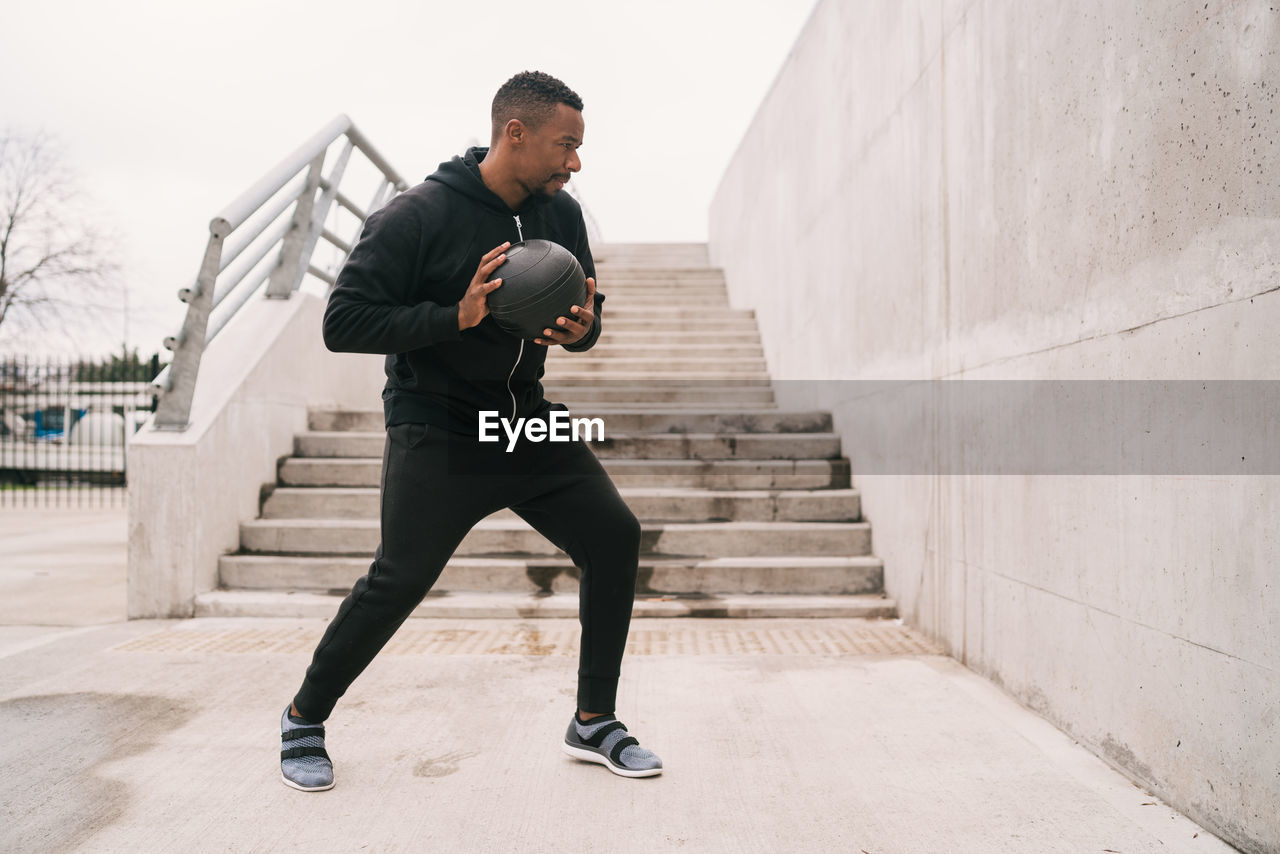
472, 308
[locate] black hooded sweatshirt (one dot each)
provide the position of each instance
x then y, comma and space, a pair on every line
398, 295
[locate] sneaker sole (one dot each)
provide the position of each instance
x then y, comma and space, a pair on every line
300, 788
590, 756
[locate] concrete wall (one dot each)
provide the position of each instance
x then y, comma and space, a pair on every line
998, 190
189, 491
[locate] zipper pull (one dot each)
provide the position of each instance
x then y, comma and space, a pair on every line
519, 229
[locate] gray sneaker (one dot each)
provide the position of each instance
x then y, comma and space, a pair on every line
604, 739
304, 763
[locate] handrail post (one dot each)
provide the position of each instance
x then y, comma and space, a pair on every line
289, 269
380, 197
174, 410
320, 214
386, 188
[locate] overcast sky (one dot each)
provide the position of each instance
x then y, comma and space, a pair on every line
168, 110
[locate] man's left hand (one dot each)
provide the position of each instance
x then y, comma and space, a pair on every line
573, 327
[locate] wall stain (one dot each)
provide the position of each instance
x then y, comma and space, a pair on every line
1123, 756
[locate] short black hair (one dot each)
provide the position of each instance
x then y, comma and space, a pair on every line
531, 97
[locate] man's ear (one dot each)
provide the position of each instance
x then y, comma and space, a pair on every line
515, 132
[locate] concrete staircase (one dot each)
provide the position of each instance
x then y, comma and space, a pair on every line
746, 509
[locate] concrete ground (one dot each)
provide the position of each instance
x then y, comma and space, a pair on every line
776, 735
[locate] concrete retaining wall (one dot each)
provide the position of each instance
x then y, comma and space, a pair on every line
189, 491
994, 190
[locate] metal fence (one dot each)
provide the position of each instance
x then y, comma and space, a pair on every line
64, 424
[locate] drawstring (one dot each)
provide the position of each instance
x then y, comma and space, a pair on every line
512, 374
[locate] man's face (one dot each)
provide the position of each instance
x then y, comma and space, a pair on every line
549, 154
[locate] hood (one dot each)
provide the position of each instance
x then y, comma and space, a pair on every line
462, 173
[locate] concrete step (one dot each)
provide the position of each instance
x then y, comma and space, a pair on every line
712, 383
632, 276
722, 319
661, 338
644, 265
646, 305
652, 254
476, 605
774, 575
638, 395
670, 276
708, 420
700, 395
564, 377
679, 350
579, 395
698, 474
684, 285
701, 420
657, 334
688, 324
621, 310
618, 445
673, 295
673, 288
620, 269
713, 446
661, 280
649, 345
689, 402
648, 503
649, 248
503, 536
599, 360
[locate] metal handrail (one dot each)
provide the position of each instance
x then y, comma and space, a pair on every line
296, 239
593, 228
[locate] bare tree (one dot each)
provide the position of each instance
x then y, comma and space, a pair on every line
50, 259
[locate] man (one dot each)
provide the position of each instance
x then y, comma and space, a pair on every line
415, 288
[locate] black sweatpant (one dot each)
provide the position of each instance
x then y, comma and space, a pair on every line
436, 485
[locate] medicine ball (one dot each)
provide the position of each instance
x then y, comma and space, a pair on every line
541, 281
